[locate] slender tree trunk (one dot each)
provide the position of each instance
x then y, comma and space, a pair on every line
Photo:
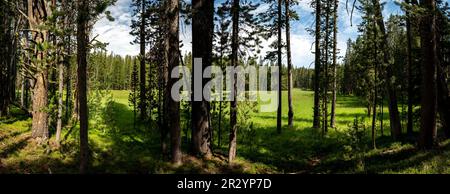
234, 62
173, 107
68, 79
142, 80
163, 117
280, 66
382, 115
396, 128
82, 39
60, 103
289, 60
333, 101
327, 80
316, 120
409, 127
375, 83
219, 139
429, 64
22, 91
202, 41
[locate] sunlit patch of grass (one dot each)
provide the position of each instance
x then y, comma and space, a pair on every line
117, 146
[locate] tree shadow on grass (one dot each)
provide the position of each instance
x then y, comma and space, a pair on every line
129, 149
386, 159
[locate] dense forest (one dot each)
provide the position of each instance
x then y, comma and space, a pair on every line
69, 105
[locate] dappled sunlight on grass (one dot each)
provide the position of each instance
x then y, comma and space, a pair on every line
120, 146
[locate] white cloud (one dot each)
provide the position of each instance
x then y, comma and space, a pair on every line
117, 33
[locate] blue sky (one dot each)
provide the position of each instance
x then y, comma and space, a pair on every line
117, 33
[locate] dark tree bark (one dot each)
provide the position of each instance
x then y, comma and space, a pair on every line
82, 51
234, 62
289, 61
173, 107
316, 118
443, 101
202, 43
429, 64
375, 80
163, 79
279, 52
142, 74
326, 67
396, 128
333, 100
409, 127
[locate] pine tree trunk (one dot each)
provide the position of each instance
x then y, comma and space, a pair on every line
173, 107
333, 101
396, 128
40, 92
429, 64
60, 103
219, 139
316, 118
83, 18
409, 127
202, 41
443, 94
68, 80
234, 62
142, 80
443, 101
39, 125
375, 83
289, 60
382, 115
280, 66
163, 81
326, 75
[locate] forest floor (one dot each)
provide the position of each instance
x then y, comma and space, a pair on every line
120, 147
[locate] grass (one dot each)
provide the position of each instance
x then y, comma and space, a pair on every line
119, 147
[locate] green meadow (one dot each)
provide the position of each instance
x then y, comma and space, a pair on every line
119, 145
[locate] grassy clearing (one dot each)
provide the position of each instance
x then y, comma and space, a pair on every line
119, 147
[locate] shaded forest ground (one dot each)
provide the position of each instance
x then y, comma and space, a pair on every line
120, 147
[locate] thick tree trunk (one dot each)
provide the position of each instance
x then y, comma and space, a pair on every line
316, 118
234, 62
289, 61
40, 92
429, 64
280, 66
142, 80
443, 94
202, 41
173, 107
396, 128
82, 39
443, 101
39, 125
